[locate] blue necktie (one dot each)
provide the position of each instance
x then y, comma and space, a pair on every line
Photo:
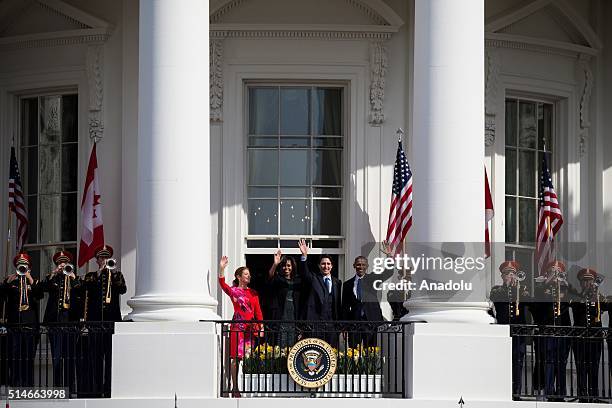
328, 284
358, 289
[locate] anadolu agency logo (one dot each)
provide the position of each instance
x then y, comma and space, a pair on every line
312, 363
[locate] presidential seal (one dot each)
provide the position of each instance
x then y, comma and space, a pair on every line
311, 363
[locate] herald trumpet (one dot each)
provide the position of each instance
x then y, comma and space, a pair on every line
68, 269
110, 264
22, 269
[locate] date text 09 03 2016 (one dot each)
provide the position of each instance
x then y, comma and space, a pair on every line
34, 393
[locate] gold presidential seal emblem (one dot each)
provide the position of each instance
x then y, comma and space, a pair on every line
312, 363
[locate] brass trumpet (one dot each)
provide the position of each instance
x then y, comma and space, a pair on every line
24, 303
520, 276
67, 270
110, 265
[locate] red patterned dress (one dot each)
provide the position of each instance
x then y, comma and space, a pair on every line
246, 308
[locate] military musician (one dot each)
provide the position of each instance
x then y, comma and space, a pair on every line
551, 308
61, 284
23, 293
587, 306
510, 300
100, 294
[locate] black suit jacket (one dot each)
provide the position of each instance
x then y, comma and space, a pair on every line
370, 298
317, 297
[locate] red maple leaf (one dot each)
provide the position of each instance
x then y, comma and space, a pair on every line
96, 202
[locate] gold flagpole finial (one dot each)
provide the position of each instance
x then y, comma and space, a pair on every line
400, 134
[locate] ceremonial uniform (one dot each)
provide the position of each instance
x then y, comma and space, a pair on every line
59, 313
586, 309
100, 296
510, 301
551, 308
22, 316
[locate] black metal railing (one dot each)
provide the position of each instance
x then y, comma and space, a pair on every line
75, 357
369, 355
554, 363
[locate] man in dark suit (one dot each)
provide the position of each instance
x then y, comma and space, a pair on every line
361, 299
323, 302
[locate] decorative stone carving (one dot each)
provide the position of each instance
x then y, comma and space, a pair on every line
95, 80
492, 63
584, 78
319, 34
378, 71
216, 80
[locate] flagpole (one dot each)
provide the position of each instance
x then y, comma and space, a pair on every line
8, 242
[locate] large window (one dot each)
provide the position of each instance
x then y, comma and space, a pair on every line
295, 181
529, 132
295, 165
49, 165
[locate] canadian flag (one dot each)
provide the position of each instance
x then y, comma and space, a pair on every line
489, 213
92, 233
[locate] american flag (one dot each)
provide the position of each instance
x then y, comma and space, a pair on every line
550, 219
400, 213
17, 203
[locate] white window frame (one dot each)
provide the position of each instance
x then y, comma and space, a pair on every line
308, 237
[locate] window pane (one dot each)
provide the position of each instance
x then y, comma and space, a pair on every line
263, 218
527, 124
261, 141
545, 126
510, 171
295, 217
298, 192
263, 167
69, 217
510, 219
527, 220
262, 243
294, 168
295, 111
70, 127
288, 141
527, 173
263, 111
328, 112
50, 222
328, 192
326, 243
32, 222
50, 119
50, 169
29, 121
511, 107
327, 217
36, 265
263, 192
29, 171
327, 167
332, 142
70, 157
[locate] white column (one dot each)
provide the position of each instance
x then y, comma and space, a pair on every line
448, 143
173, 261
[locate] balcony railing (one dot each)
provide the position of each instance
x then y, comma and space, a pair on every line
555, 363
369, 358
74, 357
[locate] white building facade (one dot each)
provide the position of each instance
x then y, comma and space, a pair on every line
298, 138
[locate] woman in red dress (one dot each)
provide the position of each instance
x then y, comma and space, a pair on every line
246, 308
